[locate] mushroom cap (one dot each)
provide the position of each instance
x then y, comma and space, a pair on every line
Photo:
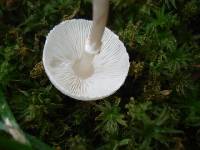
65, 44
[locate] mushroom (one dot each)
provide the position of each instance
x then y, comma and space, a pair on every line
85, 60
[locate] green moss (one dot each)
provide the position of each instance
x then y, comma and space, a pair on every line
158, 106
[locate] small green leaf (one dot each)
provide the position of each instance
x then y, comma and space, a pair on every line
124, 142
10, 121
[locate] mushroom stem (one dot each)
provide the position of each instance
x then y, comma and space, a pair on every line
84, 67
100, 14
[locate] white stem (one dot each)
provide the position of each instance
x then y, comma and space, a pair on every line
100, 15
84, 67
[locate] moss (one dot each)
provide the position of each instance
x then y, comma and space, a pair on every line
159, 101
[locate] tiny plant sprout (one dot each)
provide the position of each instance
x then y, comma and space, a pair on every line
85, 60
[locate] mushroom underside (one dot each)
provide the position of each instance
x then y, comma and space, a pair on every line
62, 55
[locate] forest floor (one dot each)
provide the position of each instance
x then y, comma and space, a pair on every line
157, 108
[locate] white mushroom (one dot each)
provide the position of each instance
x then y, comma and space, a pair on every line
85, 60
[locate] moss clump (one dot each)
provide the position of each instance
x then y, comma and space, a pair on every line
158, 107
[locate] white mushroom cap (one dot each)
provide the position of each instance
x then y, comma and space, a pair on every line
65, 45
